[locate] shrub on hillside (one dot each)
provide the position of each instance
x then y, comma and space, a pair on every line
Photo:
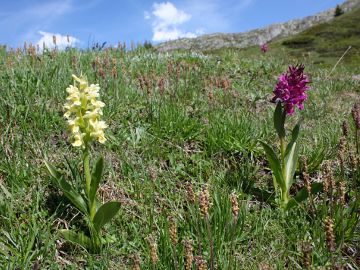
301, 41
338, 11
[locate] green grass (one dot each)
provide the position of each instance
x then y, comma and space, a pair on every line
184, 136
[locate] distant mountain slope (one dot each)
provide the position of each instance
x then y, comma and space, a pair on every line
328, 41
254, 37
322, 44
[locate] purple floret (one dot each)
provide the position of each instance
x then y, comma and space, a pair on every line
291, 88
264, 48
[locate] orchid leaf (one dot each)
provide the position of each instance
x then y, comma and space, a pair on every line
302, 195
96, 178
105, 213
290, 163
72, 195
66, 188
279, 120
78, 238
294, 136
52, 170
275, 164
295, 132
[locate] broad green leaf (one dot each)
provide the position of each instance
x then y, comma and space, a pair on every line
77, 238
72, 195
279, 120
52, 170
105, 213
274, 164
66, 188
96, 178
294, 136
290, 163
295, 132
302, 195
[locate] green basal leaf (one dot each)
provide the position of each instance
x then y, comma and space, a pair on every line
52, 170
275, 164
78, 238
279, 120
302, 195
105, 213
96, 178
72, 195
290, 162
66, 188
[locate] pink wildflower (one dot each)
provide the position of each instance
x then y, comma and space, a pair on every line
264, 48
291, 88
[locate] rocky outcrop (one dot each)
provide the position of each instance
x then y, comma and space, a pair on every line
254, 37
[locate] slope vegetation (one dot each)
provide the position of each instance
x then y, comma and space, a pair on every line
324, 43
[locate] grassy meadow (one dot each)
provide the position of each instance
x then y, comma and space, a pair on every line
179, 123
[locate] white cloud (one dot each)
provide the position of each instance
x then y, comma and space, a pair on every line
147, 15
167, 14
23, 24
167, 20
169, 34
61, 41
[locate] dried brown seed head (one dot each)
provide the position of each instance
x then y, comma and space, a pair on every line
329, 234
136, 262
345, 128
307, 254
153, 249
356, 115
342, 192
189, 257
201, 263
234, 206
204, 201
190, 192
173, 231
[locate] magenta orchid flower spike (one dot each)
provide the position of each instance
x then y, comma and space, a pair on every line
264, 48
289, 92
291, 89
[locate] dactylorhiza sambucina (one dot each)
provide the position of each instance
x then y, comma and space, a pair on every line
83, 112
291, 89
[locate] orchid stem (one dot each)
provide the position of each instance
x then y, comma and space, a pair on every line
87, 170
92, 208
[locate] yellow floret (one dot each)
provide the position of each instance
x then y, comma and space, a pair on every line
77, 140
83, 111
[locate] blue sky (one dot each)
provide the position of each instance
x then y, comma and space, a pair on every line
90, 21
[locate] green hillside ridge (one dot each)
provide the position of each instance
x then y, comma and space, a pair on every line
324, 44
